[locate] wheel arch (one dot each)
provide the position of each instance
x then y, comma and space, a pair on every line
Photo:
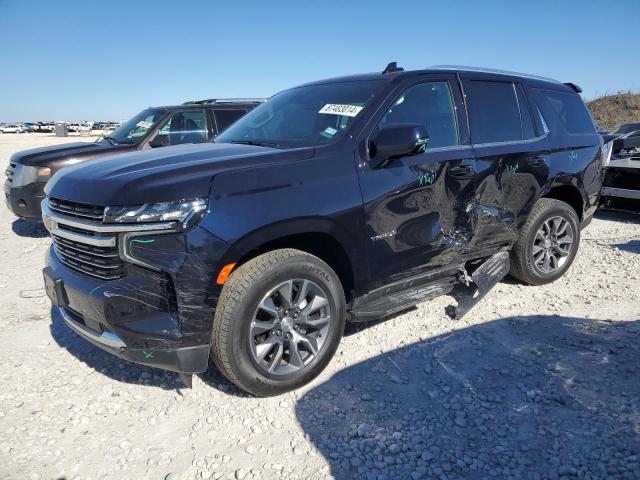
319, 237
570, 194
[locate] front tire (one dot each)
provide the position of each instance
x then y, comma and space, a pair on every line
278, 323
547, 243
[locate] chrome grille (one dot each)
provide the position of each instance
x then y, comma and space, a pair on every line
84, 243
78, 210
100, 262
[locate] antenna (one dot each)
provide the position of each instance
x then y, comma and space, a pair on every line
392, 68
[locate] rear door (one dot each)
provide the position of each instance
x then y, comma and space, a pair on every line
417, 208
511, 156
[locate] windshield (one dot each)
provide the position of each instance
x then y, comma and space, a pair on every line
304, 116
132, 131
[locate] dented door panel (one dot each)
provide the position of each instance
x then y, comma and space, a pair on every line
417, 212
509, 180
417, 209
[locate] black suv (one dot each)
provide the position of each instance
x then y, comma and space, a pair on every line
344, 199
192, 122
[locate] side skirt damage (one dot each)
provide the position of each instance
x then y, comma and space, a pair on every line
473, 289
466, 289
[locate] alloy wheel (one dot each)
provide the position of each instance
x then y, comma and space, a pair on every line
552, 244
290, 326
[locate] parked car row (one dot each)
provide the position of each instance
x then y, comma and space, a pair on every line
192, 122
49, 127
347, 199
12, 128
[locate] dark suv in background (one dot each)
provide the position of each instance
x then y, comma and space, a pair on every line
344, 199
192, 122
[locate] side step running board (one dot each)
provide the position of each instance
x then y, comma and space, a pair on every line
483, 279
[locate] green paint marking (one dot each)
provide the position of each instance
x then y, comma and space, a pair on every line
512, 168
137, 240
426, 178
422, 145
147, 354
573, 156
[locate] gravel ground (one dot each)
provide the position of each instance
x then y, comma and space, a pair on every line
535, 382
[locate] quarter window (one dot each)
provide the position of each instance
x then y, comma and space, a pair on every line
493, 111
427, 104
569, 109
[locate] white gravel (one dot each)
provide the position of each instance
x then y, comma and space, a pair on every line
536, 382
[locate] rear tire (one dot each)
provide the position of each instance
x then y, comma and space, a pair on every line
547, 243
278, 323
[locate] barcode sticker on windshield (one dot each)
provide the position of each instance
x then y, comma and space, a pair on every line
337, 109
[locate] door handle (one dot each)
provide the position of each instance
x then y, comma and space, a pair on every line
460, 171
537, 161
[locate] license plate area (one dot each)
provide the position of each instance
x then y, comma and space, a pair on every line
54, 289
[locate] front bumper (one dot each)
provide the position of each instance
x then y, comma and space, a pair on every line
25, 201
161, 317
182, 359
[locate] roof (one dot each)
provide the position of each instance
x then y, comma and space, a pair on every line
454, 69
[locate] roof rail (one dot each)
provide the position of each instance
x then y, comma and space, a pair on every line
225, 100
491, 70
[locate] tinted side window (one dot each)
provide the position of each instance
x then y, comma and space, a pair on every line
569, 109
525, 114
224, 118
493, 111
427, 104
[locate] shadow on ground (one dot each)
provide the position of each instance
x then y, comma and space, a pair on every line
128, 372
522, 398
626, 216
28, 228
632, 246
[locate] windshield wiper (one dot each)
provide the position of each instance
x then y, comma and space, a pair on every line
111, 140
259, 143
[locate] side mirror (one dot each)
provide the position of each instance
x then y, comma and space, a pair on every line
395, 141
159, 141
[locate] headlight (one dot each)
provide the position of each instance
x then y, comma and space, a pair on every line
34, 174
181, 211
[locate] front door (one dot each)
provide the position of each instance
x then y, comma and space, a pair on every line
418, 208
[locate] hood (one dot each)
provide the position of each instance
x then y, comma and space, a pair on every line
45, 156
160, 175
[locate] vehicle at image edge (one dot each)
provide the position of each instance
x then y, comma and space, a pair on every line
192, 122
621, 187
628, 138
12, 128
345, 199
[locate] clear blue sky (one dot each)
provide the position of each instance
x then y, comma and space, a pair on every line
94, 60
